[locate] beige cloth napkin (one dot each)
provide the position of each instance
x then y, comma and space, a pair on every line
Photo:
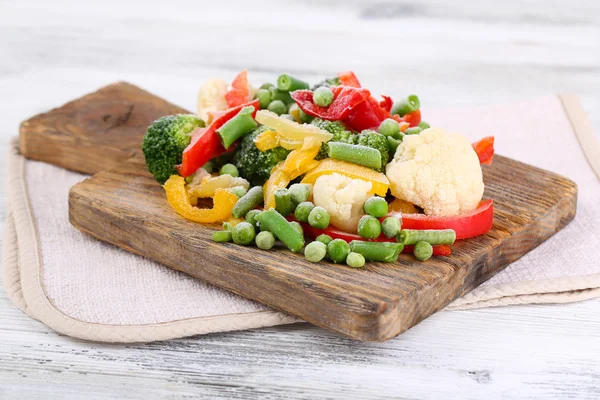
88, 289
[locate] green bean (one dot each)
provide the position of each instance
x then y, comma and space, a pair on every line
389, 127
315, 251
237, 126
303, 211
391, 227
423, 251
253, 198
406, 106
323, 96
377, 251
243, 233
297, 227
431, 236
413, 131
355, 260
369, 227
264, 98
277, 106
265, 240
221, 236
239, 191
354, 153
393, 144
251, 217
338, 250
318, 218
376, 206
424, 125
288, 83
281, 95
323, 238
283, 202
229, 169
300, 192
276, 223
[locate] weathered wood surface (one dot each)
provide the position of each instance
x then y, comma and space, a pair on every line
94, 132
465, 53
127, 207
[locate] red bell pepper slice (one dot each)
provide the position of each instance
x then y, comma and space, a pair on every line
386, 103
311, 232
239, 93
345, 99
367, 115
485, 150
348, 78
413, 118
206, 143
467, 225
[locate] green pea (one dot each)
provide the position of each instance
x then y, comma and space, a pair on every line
264, 98
265, 240
300, 192
376, 207
318, 218
243, 233
229, 169
369, 227
221, 236
391, 227
323, 238
389, 127
355, 260
297, 227
338, 250
413, 131
239, 191
267, 86
251, 217
424, 125
277, 106
315, 251
282, 95
423, 251
323, 96
303, 210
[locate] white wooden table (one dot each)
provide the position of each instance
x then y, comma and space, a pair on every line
447, 52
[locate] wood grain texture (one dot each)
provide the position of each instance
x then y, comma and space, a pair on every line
127, 207
94, 132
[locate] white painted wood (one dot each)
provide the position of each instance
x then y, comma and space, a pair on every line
448, 52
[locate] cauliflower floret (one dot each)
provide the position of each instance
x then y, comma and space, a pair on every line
343, 198
211, 97
437, 171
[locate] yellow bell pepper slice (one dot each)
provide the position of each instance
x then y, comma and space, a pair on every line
290, 129
328, 166
297, 163
210, 184
267, 140
177, 196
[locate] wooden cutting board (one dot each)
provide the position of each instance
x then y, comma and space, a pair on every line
125, 206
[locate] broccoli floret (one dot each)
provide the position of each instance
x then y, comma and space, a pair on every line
327, 82
340, 134
253, 164
165, 141
376, 140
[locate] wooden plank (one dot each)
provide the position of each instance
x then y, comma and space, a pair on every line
95, 132
127, 207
